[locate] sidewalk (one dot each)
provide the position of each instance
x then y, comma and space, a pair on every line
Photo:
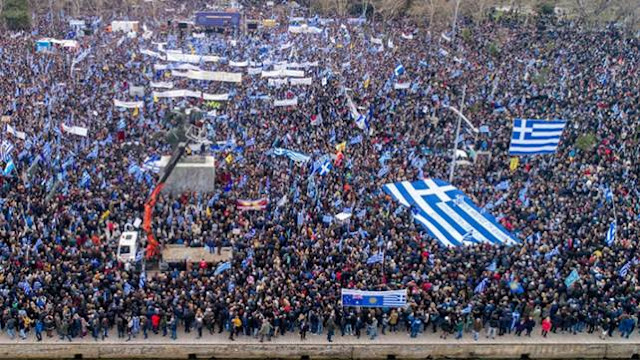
291, 338
400, 346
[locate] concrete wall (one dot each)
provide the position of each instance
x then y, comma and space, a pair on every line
296, 351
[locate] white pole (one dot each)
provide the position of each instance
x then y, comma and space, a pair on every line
455, 19
463, 118
455, 140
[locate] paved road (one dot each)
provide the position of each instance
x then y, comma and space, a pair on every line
398, 338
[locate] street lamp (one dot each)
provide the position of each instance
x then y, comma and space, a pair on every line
455, 140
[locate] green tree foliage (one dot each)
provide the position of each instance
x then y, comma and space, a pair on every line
16, 14
546, 9
586, 142
494, 49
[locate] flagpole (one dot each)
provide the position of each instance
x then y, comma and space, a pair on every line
455, 20
455, 140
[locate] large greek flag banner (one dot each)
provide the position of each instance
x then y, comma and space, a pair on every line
391, 298
532, 137
447, 214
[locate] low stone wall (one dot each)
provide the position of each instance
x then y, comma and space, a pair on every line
337, 351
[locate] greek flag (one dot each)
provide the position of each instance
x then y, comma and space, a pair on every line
376, 258
355, 140
139, 256
151, 163
447, 214
133, 169
93, 154
46, 151
532, 137
5, 150
624, 270
122, 124
293, 155
86, 179
9, 168
143, 280
391, 298
399, 70
548, 256
482, 286
222, 268
608, 194
325, 168
611, 234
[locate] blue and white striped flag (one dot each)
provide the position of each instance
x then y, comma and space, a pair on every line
93, 154
293, 155
548, 256
5, 150
152, 163
143, 280
399, 70
122, 124
446, 213
482, 286
532, 137
46, 151
355, 140
611, 234
133, 169
9, 168
608, 194
383, 171
325, 168
86, 179
624, 270
376, 258
391, 298
139, 255
222, 268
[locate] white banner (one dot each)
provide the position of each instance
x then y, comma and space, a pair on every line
77, 130
305, 29
162, 84
151, 53
177, 93
16, 133
303, 65
136, 91
407, 37
283, 73
286, 102
64, 43
277, 82
209, 75
376, 41
128, 104
190, 93
400, 86
279, 67
254, 71
303, 81
239, 64
188, 58
215, 97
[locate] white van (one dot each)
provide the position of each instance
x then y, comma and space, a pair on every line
128, 246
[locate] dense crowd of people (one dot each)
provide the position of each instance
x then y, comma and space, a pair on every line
69, 197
